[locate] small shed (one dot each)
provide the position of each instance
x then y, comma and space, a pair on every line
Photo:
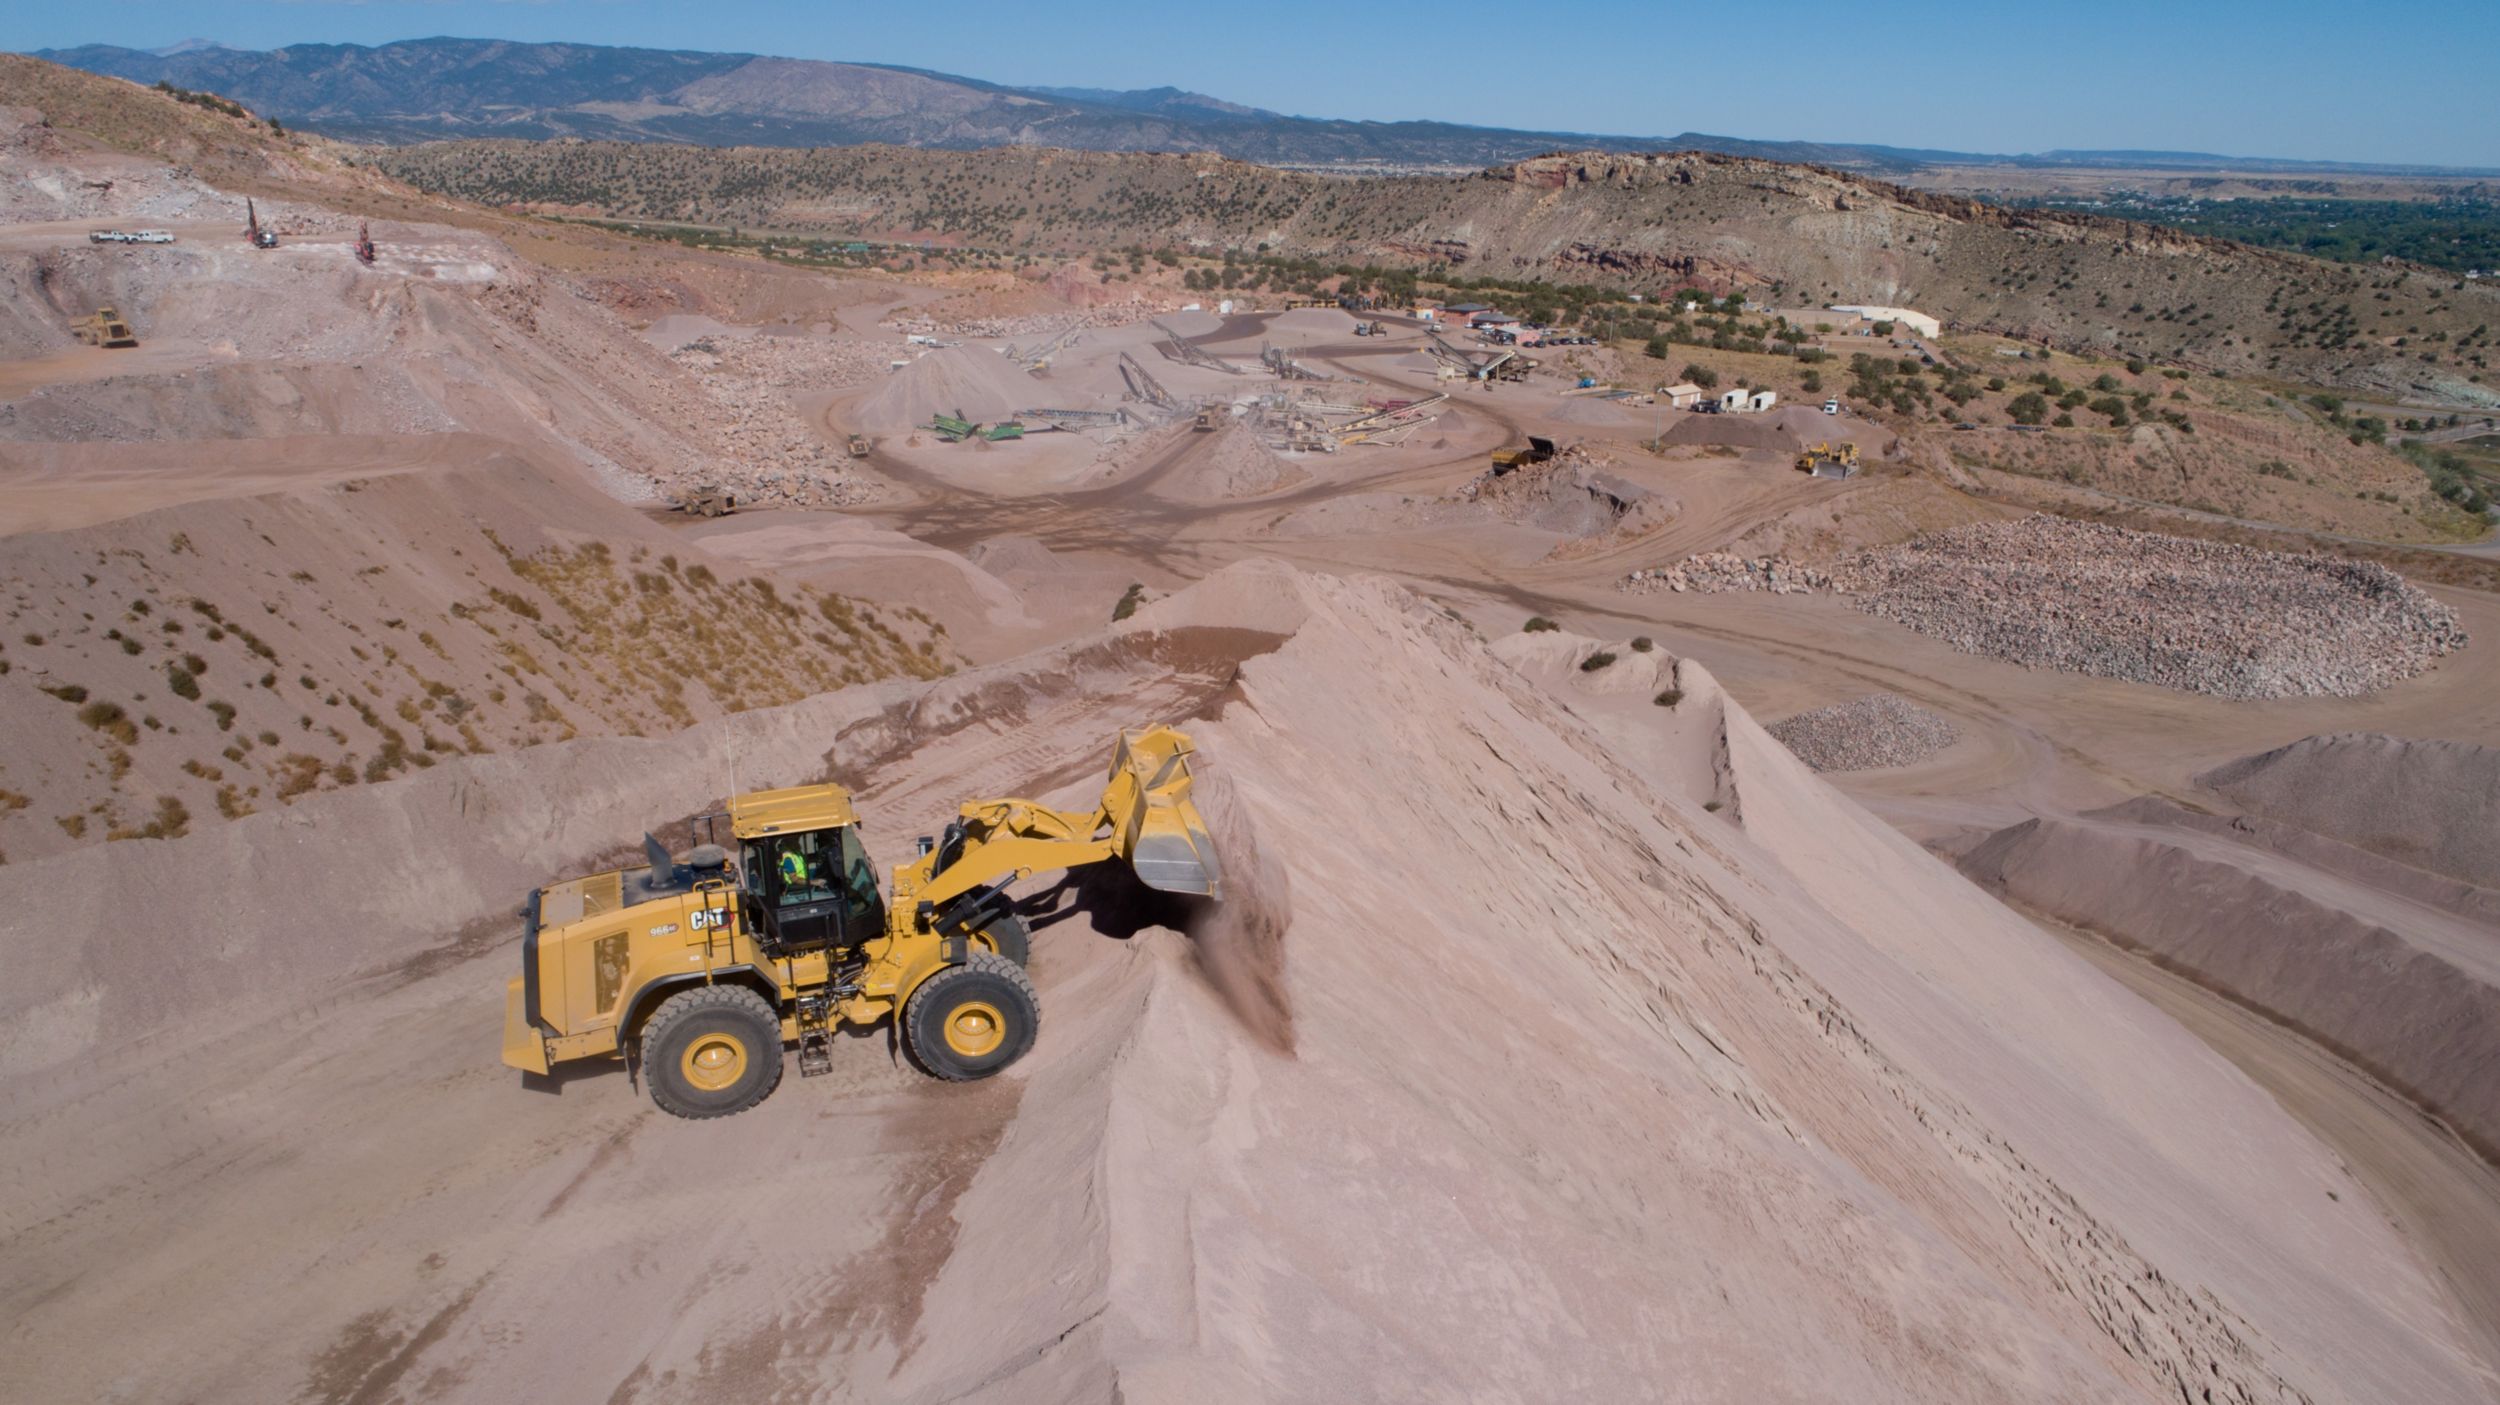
1735, 401
1763, 400
1683, 395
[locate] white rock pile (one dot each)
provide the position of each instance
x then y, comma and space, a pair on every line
774, 455
1717, 572
1862, 734
2200, 616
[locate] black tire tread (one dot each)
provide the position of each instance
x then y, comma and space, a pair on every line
1013, 939
688, 1003
975, 960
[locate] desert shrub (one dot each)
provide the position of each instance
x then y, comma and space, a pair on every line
1643, 644
1601, 659
1538, 624
1129, 601
185, 686
108, 718
1668, 697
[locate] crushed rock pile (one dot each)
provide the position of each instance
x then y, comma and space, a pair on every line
2199, 616
971, 381
773, 455
1238, 465
1567, 493
1864, 734
1037, 323
1717, 572
2082, 597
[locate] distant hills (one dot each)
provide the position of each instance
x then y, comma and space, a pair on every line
431, 89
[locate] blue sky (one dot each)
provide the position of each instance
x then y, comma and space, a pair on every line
2397, 82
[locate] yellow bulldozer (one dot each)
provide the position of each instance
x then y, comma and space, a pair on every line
106, 328
1844, 458
698, 969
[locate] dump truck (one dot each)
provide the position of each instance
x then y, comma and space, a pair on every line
710, 500
698, 969
105, 328
1205, 422
1538, 451
858, 446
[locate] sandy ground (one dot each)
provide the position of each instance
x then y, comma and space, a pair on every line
1559, 1043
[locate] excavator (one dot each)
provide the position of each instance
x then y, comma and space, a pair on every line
698, 969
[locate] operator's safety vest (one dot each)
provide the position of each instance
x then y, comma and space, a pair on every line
793, 871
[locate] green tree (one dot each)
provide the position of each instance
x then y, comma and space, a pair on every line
2030, 407
1703, 376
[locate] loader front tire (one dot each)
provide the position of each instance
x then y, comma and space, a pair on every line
1008, 937
972, 1020
712, 1051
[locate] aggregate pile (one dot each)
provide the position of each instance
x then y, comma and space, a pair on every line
971, 381
774, 455
1569, 493
1719, 572
1238, 465
2205, 617
2425, 803
2199, 616
1864, 734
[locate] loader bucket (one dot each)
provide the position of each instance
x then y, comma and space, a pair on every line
1154, 824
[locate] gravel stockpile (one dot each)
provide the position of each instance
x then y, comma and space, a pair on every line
2200, 616
1717, 572
774, 455
1880, 729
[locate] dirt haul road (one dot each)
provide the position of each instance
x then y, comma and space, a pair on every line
1786, 1110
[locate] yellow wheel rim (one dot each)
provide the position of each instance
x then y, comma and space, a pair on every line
714, 1061
975, 1028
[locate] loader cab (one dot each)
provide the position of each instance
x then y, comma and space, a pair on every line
806, 878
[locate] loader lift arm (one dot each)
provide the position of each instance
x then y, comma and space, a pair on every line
1145, 817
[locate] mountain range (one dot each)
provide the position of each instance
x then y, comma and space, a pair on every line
432, 89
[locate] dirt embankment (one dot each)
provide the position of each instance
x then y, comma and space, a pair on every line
2432, 804
1890, 1116
209, 660
2350, 904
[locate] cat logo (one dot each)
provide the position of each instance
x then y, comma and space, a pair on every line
703, 917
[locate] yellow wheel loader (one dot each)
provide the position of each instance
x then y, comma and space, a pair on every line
699, 969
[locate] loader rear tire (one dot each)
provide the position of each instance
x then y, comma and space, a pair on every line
970, 1021
712, 1051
